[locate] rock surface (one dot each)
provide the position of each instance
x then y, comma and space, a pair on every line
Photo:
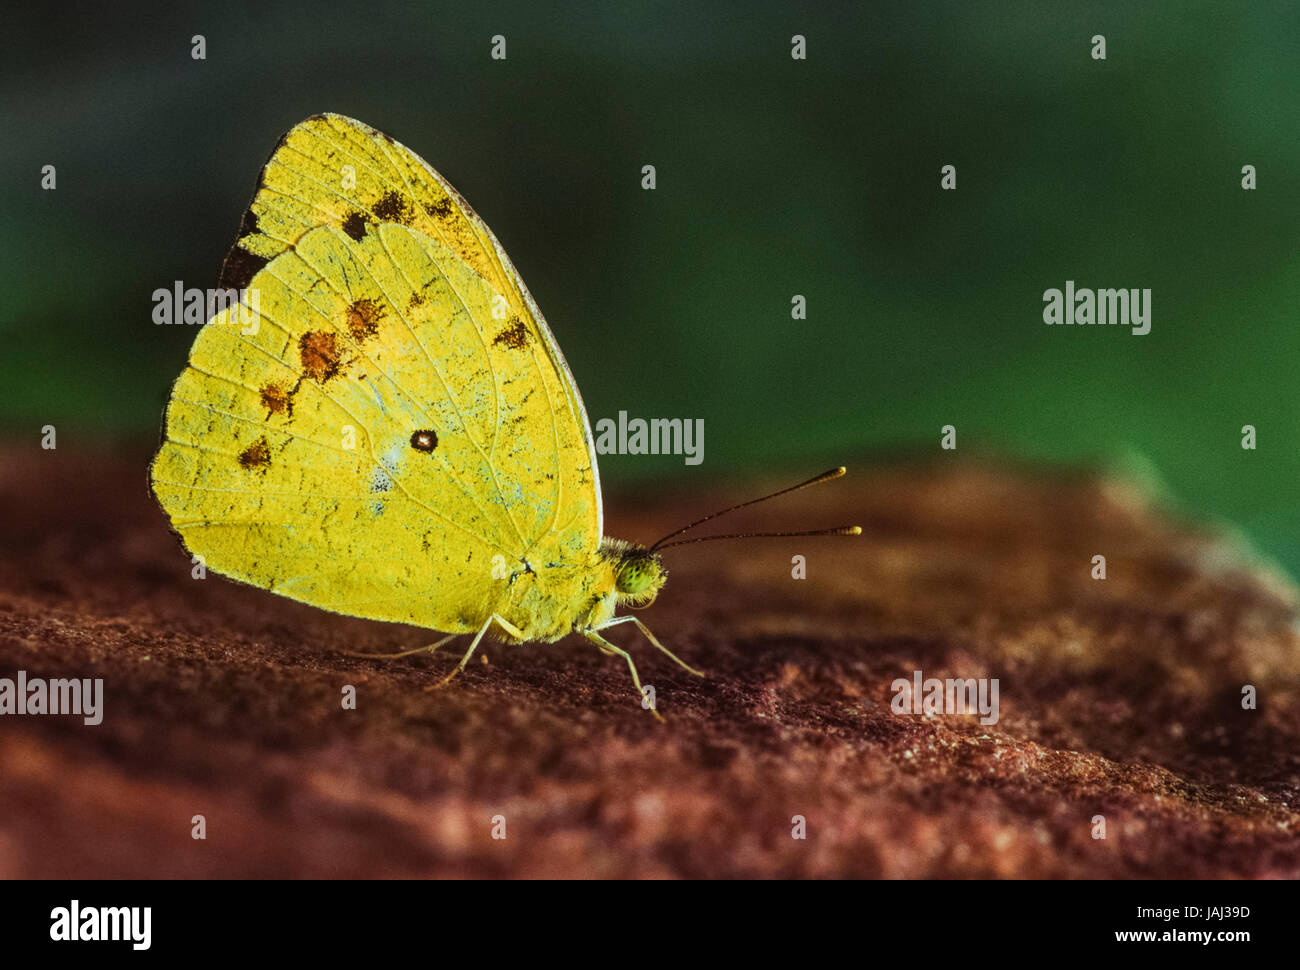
1119, 698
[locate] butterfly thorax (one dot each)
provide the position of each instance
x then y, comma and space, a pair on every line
578, 596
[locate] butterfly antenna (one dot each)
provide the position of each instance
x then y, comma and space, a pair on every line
826, 476
842, 530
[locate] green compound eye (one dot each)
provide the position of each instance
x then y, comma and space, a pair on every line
637, 575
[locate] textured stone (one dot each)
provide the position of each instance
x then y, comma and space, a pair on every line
1118, 697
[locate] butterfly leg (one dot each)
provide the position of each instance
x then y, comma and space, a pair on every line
404, 653
651, 637
609, 649
510, 629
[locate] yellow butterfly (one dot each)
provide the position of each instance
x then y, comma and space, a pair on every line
383, 424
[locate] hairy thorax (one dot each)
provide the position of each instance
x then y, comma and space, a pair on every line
547, 602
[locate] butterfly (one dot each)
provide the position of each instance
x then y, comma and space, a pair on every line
382, 424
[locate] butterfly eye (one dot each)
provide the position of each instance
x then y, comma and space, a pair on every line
637, 575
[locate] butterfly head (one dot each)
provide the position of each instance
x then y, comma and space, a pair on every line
639, 576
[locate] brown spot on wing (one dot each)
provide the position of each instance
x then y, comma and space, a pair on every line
514, 336
393, 207
441, 208
277, 400
363, 318
320, 356
256, 455
239, 268
424, 440
417, 299
355, 225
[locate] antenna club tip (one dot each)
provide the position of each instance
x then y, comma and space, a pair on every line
853, 530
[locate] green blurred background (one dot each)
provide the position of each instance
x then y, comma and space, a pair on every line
775, 177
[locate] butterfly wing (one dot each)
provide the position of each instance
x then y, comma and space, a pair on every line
379, 419
331, 170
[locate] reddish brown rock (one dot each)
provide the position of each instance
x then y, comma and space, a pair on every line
1119, 698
